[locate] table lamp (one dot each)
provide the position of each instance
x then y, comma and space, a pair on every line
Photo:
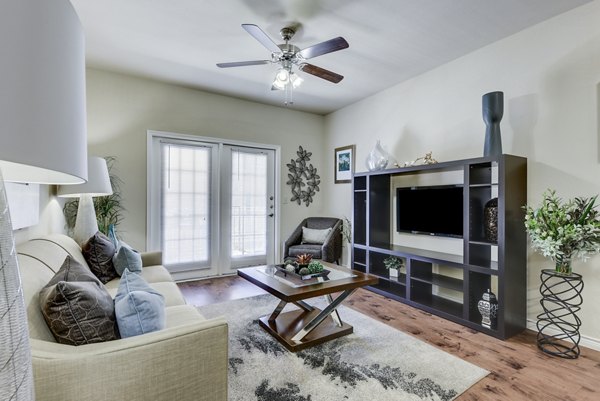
98, 184
42, 140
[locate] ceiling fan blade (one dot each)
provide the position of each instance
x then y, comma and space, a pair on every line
321, 73
331, 45
262, 37
243, 63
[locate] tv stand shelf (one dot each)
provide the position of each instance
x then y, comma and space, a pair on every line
446, 284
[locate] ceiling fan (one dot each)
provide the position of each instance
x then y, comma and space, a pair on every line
287, 55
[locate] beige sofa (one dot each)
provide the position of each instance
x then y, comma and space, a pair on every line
185, 361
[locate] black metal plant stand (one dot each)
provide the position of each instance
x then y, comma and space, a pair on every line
558, 326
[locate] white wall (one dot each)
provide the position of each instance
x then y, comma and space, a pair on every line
121, 108
550, 76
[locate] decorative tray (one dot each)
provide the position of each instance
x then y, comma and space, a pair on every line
281, 268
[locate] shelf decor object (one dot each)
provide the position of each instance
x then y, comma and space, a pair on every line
488, 307
378, 158
445, 284
98, 184
43, 140
490, 220
493, 110
558, 325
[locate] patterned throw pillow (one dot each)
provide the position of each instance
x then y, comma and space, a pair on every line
98, 252
139, 308
77, 307
127, 258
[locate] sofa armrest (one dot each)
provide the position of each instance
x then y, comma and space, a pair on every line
187, 362
331, 251
151, 258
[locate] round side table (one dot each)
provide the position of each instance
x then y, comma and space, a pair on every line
558, 326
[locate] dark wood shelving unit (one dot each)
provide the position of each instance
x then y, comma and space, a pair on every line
445, 284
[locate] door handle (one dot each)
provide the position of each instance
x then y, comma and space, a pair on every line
271, 215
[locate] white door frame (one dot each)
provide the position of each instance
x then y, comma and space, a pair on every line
153, 238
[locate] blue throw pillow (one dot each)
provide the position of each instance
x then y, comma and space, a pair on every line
112, 236
127, 258
139, 308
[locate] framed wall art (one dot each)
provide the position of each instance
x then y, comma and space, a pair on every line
344, 164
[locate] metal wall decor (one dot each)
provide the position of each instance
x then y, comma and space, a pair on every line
303, 178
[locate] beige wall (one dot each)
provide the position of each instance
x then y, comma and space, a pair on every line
550, 75
121, 108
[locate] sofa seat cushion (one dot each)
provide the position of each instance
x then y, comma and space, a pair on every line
168, 289
139, 308
77, 307
311, 249
179, 315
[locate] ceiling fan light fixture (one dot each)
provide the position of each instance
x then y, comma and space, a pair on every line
283, 76
296, 80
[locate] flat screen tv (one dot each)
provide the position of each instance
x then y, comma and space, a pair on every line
432, 210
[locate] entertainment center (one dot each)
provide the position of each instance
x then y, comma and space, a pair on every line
447, 284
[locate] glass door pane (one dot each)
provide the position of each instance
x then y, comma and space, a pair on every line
185, 214
248, 204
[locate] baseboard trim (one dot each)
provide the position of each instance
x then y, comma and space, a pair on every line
588, 342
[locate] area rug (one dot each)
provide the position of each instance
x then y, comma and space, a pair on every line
375, 363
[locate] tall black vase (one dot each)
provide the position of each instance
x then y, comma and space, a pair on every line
493, 110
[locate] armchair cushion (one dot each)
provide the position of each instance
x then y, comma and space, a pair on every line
312, 236
77, 307
313, 250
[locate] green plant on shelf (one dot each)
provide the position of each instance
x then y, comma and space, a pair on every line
394, 263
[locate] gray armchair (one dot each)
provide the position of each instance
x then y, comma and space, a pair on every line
329, 251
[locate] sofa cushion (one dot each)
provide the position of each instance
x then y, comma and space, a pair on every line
312, 236
180, 315
139, 308
98, 252
127, 258
77, 307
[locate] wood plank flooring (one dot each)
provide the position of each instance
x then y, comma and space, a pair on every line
519, 371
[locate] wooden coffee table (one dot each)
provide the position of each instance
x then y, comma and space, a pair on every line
308, 325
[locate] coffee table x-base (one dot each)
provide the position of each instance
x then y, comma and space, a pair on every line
308, 325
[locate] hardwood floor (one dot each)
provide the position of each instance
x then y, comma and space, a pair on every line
519, 371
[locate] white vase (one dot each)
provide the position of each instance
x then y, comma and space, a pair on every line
378, 158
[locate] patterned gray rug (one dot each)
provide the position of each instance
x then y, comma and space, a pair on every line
375, 363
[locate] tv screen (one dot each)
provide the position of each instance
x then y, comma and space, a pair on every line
430, 210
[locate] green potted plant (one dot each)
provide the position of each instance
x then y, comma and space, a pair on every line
393, 264
564, 230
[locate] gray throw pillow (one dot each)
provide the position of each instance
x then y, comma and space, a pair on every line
77, 307
127, 258
314, 236
98, 252
139, 308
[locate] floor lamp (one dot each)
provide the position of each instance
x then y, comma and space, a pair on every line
42, 140
98, 184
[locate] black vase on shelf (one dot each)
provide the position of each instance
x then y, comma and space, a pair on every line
493, 110
490, 220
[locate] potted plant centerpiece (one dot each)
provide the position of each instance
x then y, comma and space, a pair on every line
564, 230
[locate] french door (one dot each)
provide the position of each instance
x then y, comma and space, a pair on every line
211, 205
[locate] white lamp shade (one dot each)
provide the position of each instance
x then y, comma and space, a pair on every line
43, 135
98, 183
